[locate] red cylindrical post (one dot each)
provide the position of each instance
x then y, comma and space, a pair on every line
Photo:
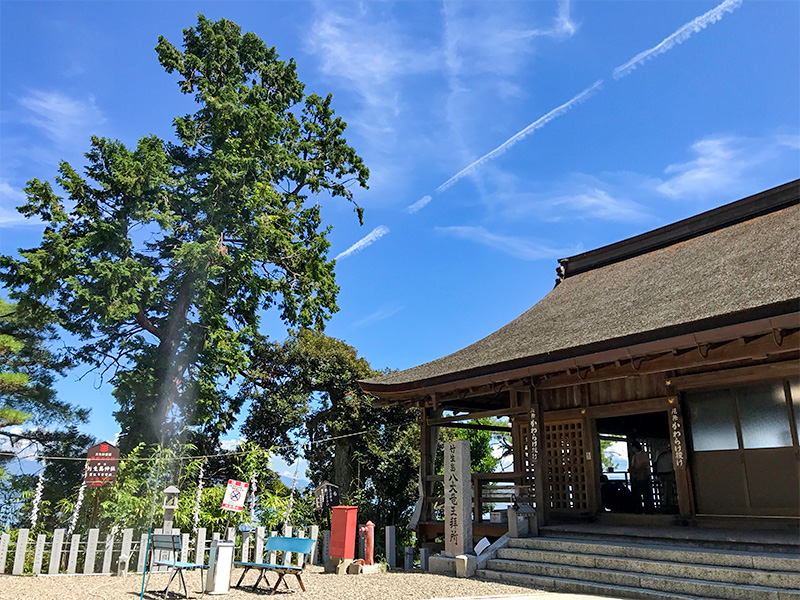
369, 542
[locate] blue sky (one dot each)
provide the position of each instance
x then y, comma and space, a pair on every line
500, 136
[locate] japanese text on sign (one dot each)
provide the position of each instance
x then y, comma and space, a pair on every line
677, 437
102, 461
534, 436
235, 494
452, 495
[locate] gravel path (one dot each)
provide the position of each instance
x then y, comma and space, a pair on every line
320, 586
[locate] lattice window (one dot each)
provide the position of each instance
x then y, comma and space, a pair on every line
566, 468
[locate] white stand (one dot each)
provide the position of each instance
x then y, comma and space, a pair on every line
220, 562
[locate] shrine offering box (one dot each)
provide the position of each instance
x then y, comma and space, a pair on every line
344, 522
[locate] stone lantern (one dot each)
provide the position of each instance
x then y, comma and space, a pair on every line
170, 506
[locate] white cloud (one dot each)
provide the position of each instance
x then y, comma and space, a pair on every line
418, 205
66, 121
379, 315
597, 203
681, 35
519, 247
369, 239
370, 55
721, 163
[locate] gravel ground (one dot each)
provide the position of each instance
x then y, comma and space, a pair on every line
320, 586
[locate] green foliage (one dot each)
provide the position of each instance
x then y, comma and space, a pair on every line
308, 387
28, 367
159, 258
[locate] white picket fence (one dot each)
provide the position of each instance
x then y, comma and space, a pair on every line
96, 553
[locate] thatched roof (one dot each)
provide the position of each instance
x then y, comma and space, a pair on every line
731, 265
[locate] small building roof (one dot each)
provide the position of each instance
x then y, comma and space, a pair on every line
734, 264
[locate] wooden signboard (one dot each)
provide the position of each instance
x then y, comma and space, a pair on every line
326, 496
102, 461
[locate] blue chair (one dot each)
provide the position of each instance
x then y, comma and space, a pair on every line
278, 544
171, 542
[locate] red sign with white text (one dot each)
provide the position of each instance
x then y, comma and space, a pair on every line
102, 461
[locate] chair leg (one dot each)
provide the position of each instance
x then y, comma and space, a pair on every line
183, 581
300, 581
262, 574
277, 583
169, 582
238, 583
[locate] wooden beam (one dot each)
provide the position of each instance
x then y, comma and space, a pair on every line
763, 372
502, 412
478, 427
760, 347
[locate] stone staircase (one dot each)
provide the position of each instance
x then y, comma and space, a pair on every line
633, 568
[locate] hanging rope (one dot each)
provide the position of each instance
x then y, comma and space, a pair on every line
198, 496
291, 494
76, 512
253, 480
37, 497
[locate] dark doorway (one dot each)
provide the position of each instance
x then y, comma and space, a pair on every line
636, 461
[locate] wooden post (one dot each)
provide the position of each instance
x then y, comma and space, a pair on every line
19, 554
391, 558
326, 546
95, 508
424, 555
141, 566
273, 556
409, 559
538, 458
184, 547
287, 556
74, 546
300, 558
258, 551
55, 553
680, 459
200, 546
108, 552
315, 537
38, 554
4, 541
91, 552
245, 547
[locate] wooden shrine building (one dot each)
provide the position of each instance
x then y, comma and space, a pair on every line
684, 341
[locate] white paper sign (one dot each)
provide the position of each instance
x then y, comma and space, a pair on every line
235, 494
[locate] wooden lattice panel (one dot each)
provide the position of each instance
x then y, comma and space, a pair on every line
566, 469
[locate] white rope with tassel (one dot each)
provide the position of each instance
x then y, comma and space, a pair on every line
37, 496
198, 496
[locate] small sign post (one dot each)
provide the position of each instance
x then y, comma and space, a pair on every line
235, 494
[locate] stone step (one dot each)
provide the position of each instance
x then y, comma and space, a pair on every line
645, 581
574, 586
666, 567
764, 561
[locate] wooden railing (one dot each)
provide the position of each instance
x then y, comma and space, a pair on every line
488, 489
95, 552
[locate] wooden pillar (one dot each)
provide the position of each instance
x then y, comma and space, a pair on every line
680, 456
594, 462
538, 458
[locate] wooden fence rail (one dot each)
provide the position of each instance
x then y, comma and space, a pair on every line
96, 552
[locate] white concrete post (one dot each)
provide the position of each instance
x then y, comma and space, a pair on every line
391, 558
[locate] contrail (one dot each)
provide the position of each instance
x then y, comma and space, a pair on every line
680, 36
418, 205
369, 239
538, 124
